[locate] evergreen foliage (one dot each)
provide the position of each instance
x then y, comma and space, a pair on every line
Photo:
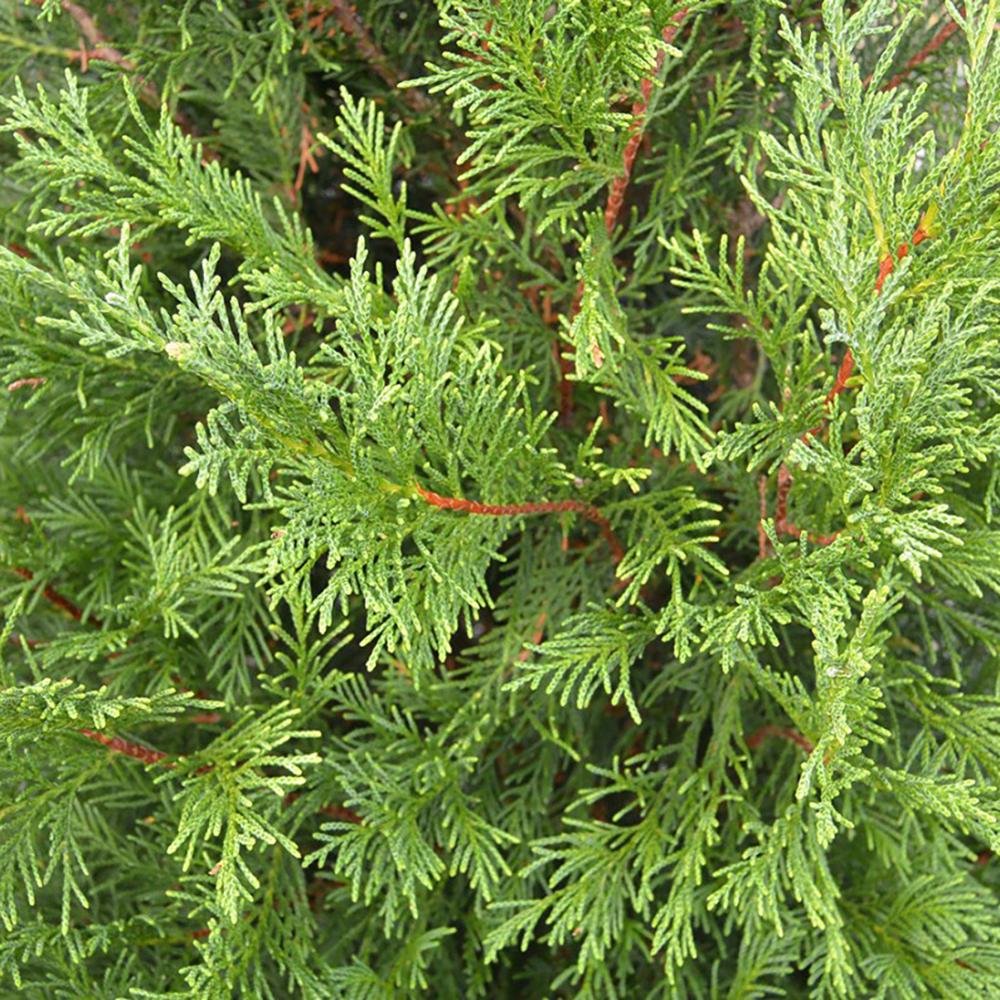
499, 498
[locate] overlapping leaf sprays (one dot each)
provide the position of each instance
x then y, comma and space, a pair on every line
499, 499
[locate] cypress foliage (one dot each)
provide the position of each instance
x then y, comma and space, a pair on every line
498, 499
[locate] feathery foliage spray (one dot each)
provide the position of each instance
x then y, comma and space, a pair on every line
498, 499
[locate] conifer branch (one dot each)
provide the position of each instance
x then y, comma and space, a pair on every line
539, 758
613, 206
886, 266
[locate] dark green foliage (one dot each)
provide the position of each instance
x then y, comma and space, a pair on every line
420, 577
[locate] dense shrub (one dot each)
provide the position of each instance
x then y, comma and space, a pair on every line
497, 499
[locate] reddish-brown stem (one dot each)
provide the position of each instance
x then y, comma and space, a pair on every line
940, 37
756, 738
536, 636
134, 750
313, 22
589, 511
16, 640
782, 523
563, 352
843, 374
25, 383
619, 186
781, 506
102, 51
887, 264
307, 158
351, 24
86, 24
885, 267
206, 718
943, 34
58, 600
612, 209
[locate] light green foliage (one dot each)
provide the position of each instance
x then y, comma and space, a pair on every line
370, 161
417, 580
546, 135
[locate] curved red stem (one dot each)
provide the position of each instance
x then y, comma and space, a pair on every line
587, 510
